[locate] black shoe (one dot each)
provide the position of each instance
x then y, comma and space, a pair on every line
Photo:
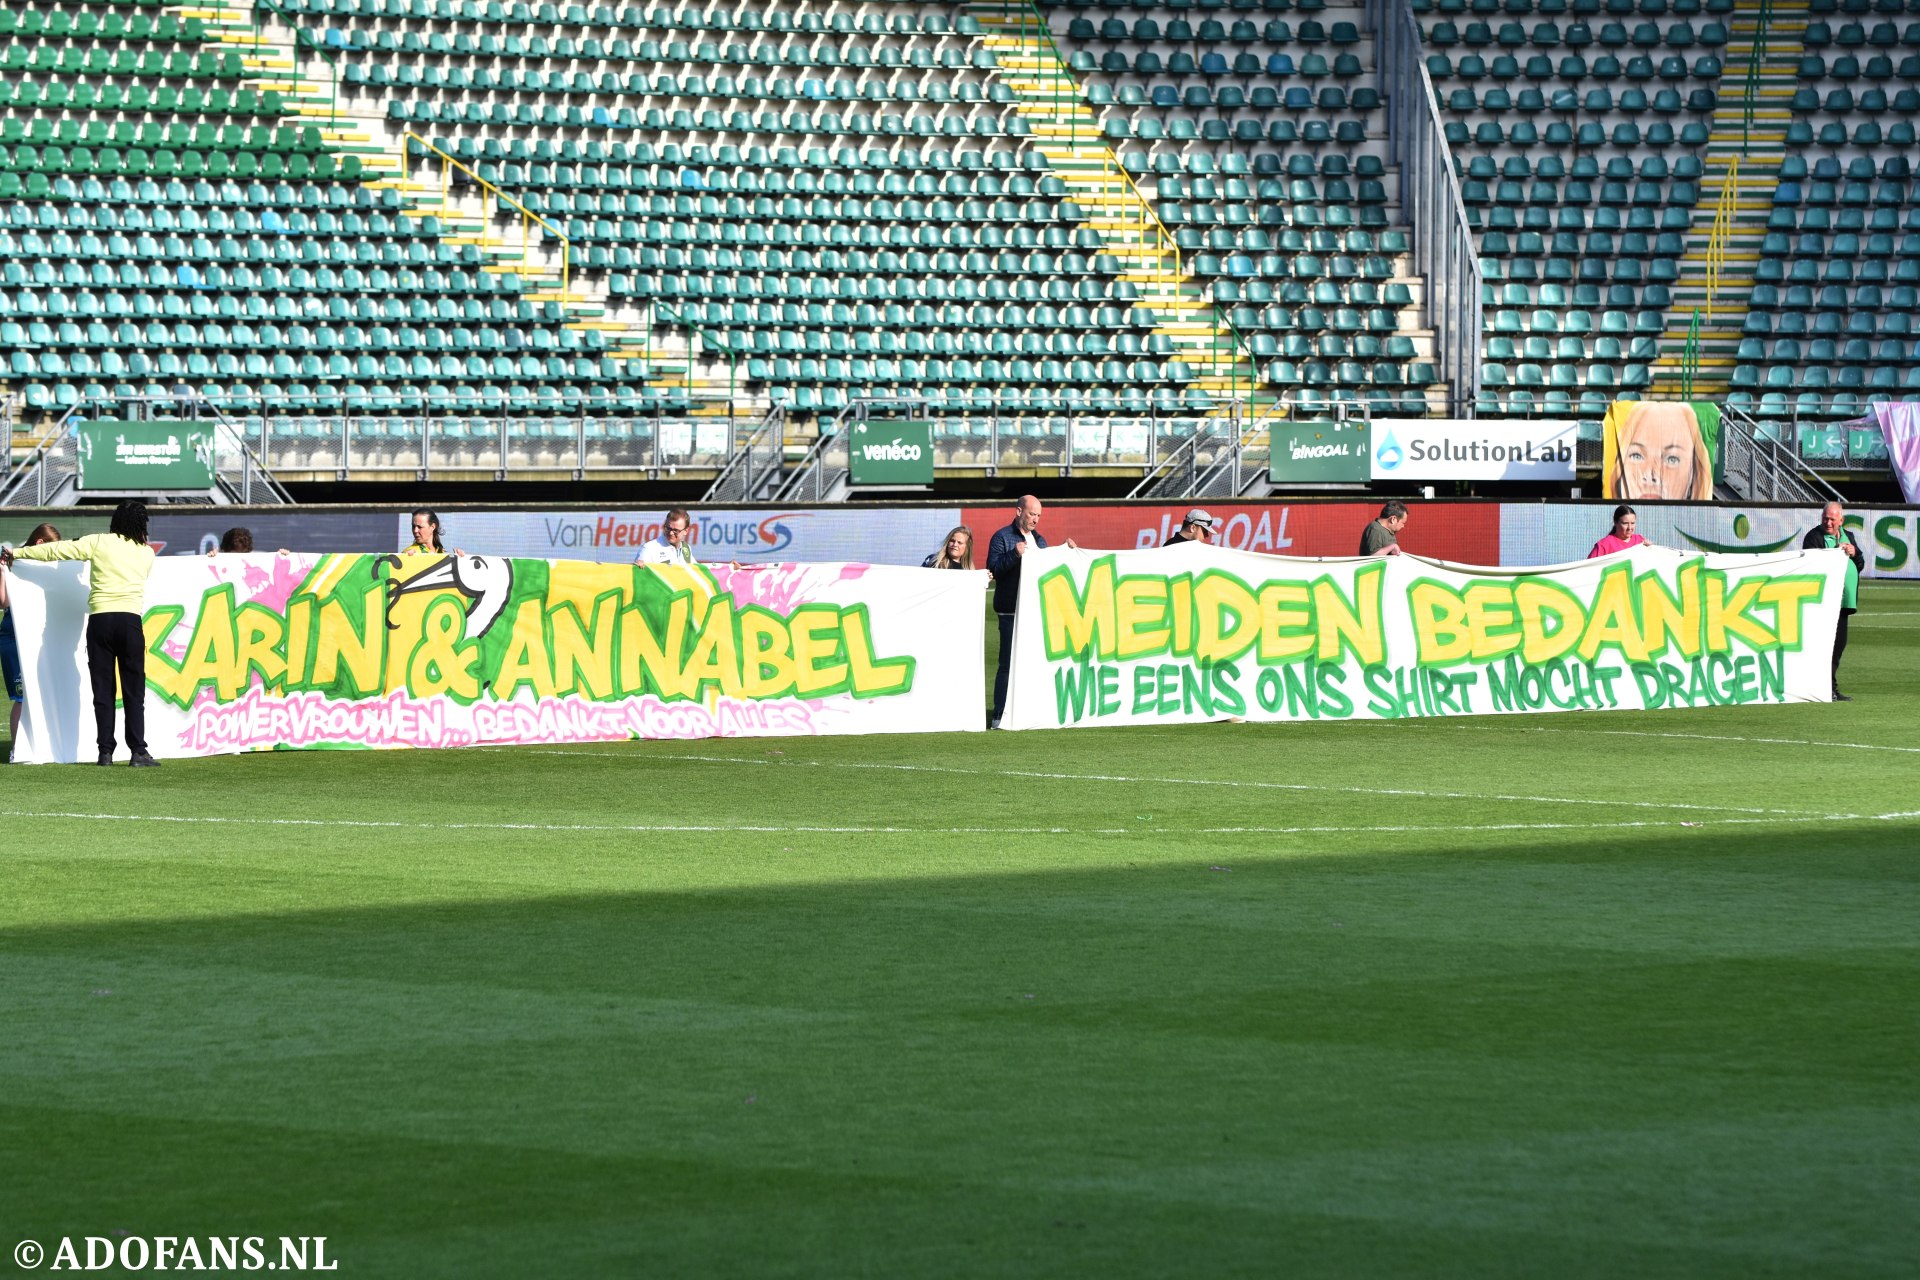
145, 761
1839, 696
106, 757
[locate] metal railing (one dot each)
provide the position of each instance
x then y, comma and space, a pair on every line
1443, 246
820, 476
754, 468
1756, 59
528, 218
505, 445
1035, 27
1231, 457
1760, 468
50, 472
1722, 231
1690, 355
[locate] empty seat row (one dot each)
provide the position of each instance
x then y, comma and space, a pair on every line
38, 163
130, 338
463, 54
101, 61
1893, 351
1884, 35
1258, 304
1260, 101
73, 206
161, 99
1846, 67
1247, 66
64, 24
179, 135
1834, 297
1573, 68
1569, 347
1861, 324
1560, 134
1822, 377
1282, 132
1579, 8
663, 19
1212, 31
1547, 35
1598, 101
1494, 373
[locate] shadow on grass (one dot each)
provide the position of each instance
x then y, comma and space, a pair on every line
1686, 1055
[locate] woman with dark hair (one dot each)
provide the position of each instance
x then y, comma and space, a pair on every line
118, 562
10, 672
237, 541
1622, 537
426, 536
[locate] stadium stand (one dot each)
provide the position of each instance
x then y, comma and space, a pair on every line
1690, 197
301, 205
578, 235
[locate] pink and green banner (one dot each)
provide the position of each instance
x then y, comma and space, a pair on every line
261, 652
1192, 632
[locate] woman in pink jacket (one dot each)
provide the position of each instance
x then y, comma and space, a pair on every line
1622, 536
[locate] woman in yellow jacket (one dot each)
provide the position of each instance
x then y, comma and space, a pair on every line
119, 561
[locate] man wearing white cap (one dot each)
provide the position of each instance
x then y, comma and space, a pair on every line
1197, 527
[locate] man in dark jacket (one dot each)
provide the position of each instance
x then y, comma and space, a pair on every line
1829, 533
1004, 556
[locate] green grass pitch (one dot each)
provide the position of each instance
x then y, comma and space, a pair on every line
1570, 995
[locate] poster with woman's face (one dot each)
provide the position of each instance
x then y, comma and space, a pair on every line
1659, 450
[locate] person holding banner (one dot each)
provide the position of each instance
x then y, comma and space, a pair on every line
1004, 553
426, 537
1197, 527
955, 553
1381, 537
1830, 533
672, 546
10, 672
1622, 536
118, 563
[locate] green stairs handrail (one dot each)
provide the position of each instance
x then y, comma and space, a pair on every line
1690, 362
1756, 57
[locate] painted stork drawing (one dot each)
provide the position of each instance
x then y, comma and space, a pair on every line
487, 582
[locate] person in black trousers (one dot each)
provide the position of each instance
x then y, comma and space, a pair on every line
118, 562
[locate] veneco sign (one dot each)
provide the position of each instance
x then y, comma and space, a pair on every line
1419, 449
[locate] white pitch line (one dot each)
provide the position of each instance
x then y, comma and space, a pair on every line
1205, 782
554, 827
1729, 737
759, 829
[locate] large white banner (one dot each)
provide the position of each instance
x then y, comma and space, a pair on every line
1550, 533
1192, 632
261, 652
1457, 449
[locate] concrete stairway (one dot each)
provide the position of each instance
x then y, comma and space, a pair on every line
1747, 158
1067, 132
